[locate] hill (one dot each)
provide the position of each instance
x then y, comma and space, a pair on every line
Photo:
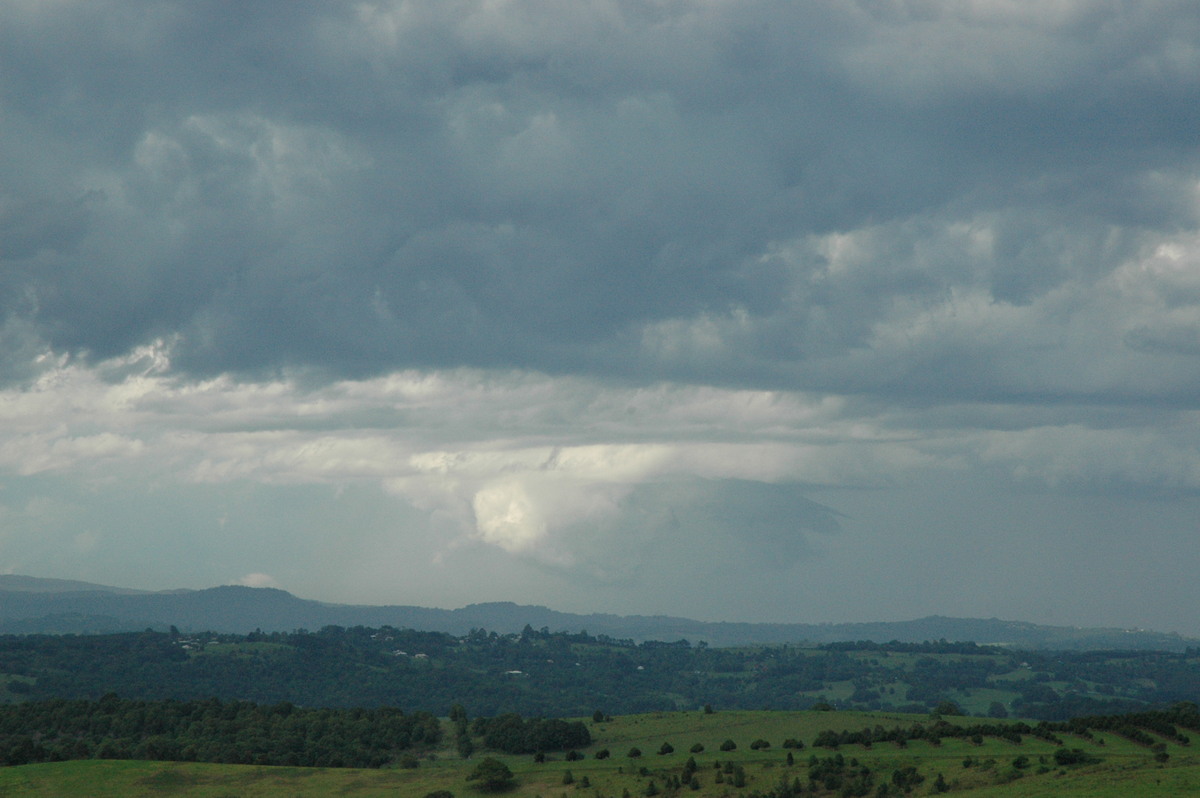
31, 606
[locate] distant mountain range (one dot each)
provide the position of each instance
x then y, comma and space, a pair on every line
29, 605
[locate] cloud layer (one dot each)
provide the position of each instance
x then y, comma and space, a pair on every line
617, 293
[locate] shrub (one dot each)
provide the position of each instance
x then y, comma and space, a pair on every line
1073, 756
492, 775
729, 745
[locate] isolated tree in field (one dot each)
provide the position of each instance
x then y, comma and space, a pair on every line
666, 748
492, 775
947, 708
464, 746
729, 745
634, 753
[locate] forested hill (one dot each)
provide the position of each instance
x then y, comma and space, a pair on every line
540, 673
32, 606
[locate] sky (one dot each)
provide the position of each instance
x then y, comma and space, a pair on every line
753, 310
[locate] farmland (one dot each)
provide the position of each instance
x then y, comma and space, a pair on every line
1112, 765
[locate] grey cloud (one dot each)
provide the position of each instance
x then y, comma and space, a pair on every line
689, 526
364, 188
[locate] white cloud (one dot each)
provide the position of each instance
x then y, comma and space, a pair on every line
257, 580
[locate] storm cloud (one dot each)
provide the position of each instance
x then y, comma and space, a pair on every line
579, 301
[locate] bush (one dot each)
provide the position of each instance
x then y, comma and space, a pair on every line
697, 748
666, 748
492, 775
1073, 756
729, 745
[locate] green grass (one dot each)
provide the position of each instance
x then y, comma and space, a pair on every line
1127, 769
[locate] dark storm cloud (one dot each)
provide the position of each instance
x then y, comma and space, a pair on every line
647, 189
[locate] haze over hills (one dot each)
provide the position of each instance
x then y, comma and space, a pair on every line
30, 605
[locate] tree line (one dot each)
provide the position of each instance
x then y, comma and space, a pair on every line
210, 730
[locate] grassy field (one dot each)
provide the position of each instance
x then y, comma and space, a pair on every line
1126, 770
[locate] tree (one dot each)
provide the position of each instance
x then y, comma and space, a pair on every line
492, 775
948, 708
997, 710
729, 745
464, 745
634, 753
697, 748
666, 748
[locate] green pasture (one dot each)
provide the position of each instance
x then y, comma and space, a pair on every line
1127, 769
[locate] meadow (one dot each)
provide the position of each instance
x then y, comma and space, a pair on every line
993, 767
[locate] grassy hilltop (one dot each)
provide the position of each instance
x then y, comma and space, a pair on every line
1112, 765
